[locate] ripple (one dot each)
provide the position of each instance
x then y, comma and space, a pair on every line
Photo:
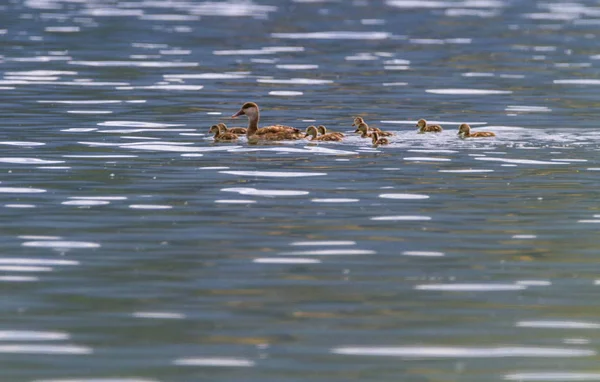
466, 171
26, 261
27, 335
85, 202
319, 243
29, 161
235, 201
141, 64
273, 174
61, 244
98, 380
404, 196
427, 159
401, 217
285, 93
20, 205
150, 206
214, 362
524, 236
330, 252
21, 143
22, 268
463, 352
578, 82
21, 190
470, 287
252, 52
546, 376
467, 91
276, 260
159, 315
137, 124
294, 81
517, 161
18, 278
558, 324
45, 349
209, 76
334, 200
423, 253
334, 35
254, 191
297, 66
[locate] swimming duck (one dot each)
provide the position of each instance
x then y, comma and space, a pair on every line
378, 141
268, 133
359, 120
425, 128
323, 130
464, 131
221, 135
312, 131
363, 130
235, 130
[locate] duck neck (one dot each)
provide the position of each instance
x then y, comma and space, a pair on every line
253, 124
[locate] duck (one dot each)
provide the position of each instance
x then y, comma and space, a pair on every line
222, 135
268, 133
363, 130
235, 130
464, 131
377, 140
425, 128
323, 130
312, 131
359, 120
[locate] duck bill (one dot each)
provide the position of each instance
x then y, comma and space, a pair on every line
238, 113
357, 131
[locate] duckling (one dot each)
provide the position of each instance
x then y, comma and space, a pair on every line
425, 128
378, 141
464, 131
312, 131
363, 129
359, 120
323, 130
268, 133
222, 135
235, 130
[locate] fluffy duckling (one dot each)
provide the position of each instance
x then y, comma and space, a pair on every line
323, 130
359, 120
363, 130
312, 131
425, 128
221, 135
268, 133
378, 141
235, 130
464, 131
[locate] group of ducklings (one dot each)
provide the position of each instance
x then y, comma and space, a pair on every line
319, 133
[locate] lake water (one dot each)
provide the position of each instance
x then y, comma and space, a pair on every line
134, 249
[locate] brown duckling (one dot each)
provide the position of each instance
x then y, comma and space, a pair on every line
312, 131
221, 135
235, 130
377, 140
425, 128
359, 120
323, 130
268, 133
363, 130
464, 131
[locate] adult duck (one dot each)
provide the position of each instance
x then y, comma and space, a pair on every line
268, 133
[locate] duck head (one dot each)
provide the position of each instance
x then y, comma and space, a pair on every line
311, 131
322, 129
214, 129
358, 121
421, 123
250, 109
464, 130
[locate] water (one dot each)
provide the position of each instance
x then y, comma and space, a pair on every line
136, 249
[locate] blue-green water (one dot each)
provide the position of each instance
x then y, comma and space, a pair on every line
135, 249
